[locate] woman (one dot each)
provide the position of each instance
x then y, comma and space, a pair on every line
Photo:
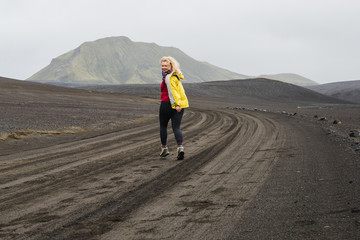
173, 102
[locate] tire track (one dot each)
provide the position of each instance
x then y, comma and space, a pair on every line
24, 191
120, 207
205, 204
70, 153
94, 190
79, 155
31, 157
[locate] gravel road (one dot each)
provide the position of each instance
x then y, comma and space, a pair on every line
246, 174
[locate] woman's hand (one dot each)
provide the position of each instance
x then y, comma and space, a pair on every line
178, 108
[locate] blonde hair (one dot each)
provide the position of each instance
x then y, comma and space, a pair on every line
175, 66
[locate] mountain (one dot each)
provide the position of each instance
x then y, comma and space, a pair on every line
348, 91
118, 60
290, 78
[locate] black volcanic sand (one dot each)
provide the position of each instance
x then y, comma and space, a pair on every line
32, 109
81, 164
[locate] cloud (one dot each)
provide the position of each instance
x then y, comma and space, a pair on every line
317, 39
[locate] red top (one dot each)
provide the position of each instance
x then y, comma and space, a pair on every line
164, 92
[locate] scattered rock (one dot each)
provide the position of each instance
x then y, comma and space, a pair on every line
355, 210
354, 133
329, 131
248, 109
323, 119
316, 116
289, 114
337, 122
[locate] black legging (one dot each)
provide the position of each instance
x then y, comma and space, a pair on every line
165, 114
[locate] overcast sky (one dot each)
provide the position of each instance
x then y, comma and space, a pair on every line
317, 39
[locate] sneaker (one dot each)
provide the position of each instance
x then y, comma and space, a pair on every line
180, 153
164, 152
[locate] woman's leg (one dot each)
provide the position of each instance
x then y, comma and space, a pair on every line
175, 123
164, 117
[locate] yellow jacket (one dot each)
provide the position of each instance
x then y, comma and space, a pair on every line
176, 90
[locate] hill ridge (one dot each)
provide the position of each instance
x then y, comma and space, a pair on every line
290, 78
348, 90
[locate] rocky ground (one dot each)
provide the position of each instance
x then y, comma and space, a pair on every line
79, 164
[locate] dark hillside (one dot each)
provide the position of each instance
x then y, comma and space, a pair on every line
42, 107
251, 91
348, 91
8, 83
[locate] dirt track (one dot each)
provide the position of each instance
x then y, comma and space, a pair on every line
113, 185
246, 174
88, 187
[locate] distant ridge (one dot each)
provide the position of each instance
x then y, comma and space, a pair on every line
118, 60
256, 91
290, 78
348, 91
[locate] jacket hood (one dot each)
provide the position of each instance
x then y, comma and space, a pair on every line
179, 75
